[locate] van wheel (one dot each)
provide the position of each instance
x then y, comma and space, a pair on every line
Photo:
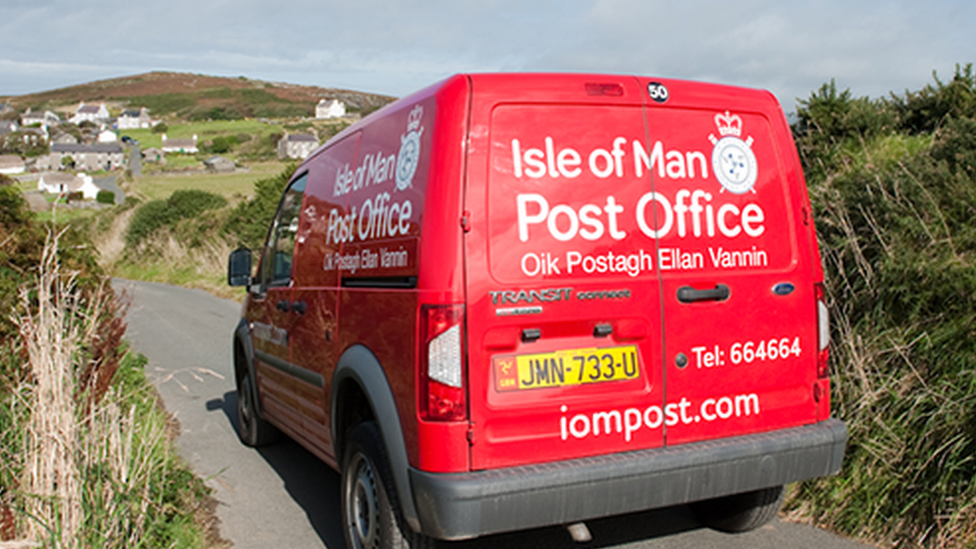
251, 427
740, 512
370, 508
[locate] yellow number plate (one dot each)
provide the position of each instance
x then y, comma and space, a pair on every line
564, 368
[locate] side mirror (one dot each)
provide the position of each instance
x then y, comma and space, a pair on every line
239, 267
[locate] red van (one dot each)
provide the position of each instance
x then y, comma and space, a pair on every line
516, 300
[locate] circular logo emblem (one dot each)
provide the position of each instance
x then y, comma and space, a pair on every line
734, 165
407, 160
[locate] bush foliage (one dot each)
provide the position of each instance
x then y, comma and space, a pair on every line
893, 183
156, 214
105, 197
21, 242
248, 223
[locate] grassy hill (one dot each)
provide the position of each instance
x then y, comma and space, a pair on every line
195, 96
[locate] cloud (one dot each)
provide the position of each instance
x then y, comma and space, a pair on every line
789, 47
394, 47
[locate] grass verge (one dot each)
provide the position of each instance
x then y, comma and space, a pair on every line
89, 454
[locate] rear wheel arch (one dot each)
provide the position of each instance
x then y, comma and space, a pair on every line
350, 407
361, 392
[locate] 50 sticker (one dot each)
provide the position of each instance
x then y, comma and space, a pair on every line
658, 92
747, 352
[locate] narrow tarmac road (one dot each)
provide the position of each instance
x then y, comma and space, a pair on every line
282, 496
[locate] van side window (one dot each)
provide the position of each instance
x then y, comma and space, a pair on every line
276, 261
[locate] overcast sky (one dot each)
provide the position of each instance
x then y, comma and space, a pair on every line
395, 47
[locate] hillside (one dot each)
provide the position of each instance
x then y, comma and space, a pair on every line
186, 95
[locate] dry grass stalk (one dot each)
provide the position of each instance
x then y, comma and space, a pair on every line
18, 544
51, 339
88, 466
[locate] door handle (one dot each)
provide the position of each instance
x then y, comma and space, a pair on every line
282, 305
687, 294
299, 307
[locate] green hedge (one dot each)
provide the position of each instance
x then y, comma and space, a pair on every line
105, 197
156, 214
893, 185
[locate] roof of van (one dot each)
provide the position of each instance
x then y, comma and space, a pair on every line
539, 81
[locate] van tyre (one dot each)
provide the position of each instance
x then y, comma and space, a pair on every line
740, 512
370, 508
251, 427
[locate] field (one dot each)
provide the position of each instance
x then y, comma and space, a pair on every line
232, 186
204, 131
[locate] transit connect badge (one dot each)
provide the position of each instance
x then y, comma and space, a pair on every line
733, 161
409, 155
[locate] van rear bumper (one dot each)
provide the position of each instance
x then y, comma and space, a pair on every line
464, 505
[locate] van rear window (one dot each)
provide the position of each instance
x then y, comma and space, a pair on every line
620, 192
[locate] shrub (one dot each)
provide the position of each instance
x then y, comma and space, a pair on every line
105, 197
926, 109
247, 225
148, 218
220, 145
193, 202
899, 254
228, 112
160, 127
156, 214
274, 138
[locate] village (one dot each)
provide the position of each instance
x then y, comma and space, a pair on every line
76, 154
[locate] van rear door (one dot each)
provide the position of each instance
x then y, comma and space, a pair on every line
737, 280
563, 306
637, 278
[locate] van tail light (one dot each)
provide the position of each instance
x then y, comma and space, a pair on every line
442, 390
823, 332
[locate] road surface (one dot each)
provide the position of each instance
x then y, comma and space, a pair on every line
282, 496
109, 184
135, 160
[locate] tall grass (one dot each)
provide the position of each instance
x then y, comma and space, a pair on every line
166, 257
95, 459
51, 479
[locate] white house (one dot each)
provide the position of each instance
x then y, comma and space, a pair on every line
11, 164
94, 157
107, 136
64, 183
90, 113
297, 146
44, 119
152, 154
182, 146
330, 109
134, 119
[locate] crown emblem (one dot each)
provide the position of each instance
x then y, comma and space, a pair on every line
413, 120
728, 124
